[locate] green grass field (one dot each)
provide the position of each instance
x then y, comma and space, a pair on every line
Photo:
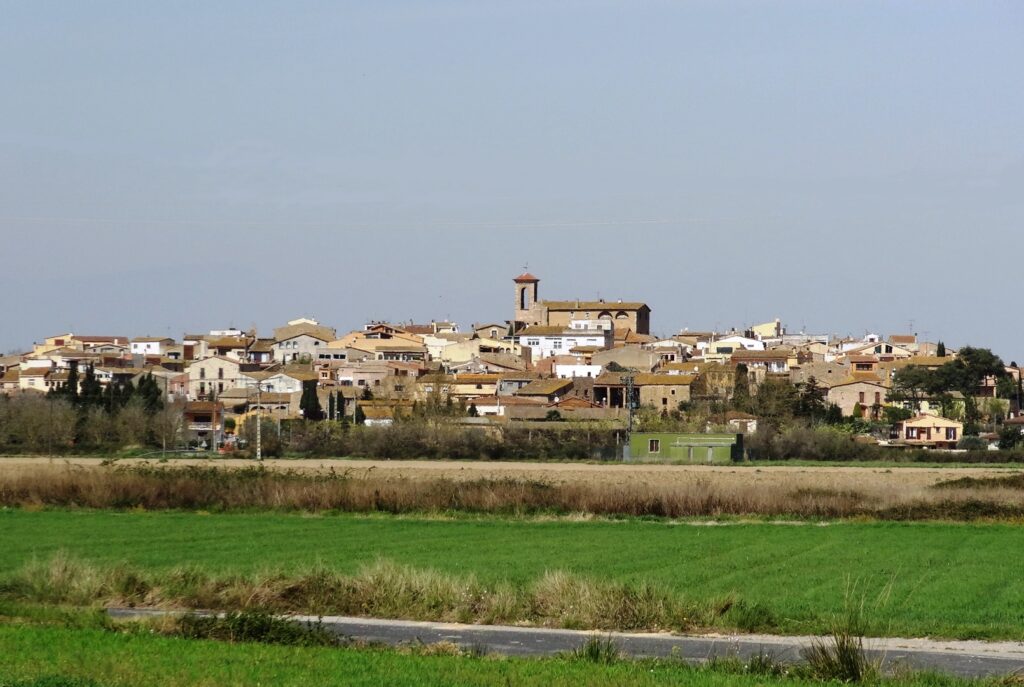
30, 652
948, 580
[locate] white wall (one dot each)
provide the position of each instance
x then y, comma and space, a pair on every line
545, 346
570, 371
145, 348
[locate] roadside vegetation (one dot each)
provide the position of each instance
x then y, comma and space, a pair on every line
785, 578
41, 653
215, 489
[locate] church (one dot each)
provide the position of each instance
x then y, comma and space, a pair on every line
531, 311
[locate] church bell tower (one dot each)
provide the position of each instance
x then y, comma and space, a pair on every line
526, 298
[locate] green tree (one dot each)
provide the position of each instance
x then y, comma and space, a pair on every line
940, 350
69, 390
811, 400
473, 412
911, 385
360, 417
775, 401
1009, 437
150, 393
1006, 387
330, 406
91, 389
966, 373
309, 402
895, 414
741, 388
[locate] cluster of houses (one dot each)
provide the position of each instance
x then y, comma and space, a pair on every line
570, 359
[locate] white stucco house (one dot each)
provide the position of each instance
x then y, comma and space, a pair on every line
150, 345
544, 342
571, 371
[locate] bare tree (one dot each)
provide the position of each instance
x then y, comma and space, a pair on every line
132, 423
167, 424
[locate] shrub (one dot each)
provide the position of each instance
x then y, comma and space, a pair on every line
841, 657
598, 650
254, 626
972, 443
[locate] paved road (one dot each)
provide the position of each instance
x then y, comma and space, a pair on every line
965, 659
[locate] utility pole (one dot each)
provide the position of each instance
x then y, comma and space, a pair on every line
629, 381
259, 424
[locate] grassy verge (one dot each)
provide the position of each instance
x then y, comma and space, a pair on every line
936, 579
43, 656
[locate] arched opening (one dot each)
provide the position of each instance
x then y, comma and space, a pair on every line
522, 298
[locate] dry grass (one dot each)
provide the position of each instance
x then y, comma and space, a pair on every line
382, 589
806, 494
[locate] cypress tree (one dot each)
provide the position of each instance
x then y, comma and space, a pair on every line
92, 390
940, 350
149, 390
330, 407
741, 388
71, 386
310, 403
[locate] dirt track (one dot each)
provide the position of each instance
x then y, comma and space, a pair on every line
836, 477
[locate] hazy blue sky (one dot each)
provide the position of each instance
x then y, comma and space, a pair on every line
846, 166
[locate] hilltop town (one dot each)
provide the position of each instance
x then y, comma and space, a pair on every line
553, 361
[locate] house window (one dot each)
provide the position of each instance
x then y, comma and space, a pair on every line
664, 401
654, 446
220, 373
361, 382
878, 398
556, 344
220, 387
479, 386
911, 432
950, 433
202, 373
533, 342
861, 398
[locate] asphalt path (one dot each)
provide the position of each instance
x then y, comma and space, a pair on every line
960, 658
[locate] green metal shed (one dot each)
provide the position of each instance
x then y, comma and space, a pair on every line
674, 447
